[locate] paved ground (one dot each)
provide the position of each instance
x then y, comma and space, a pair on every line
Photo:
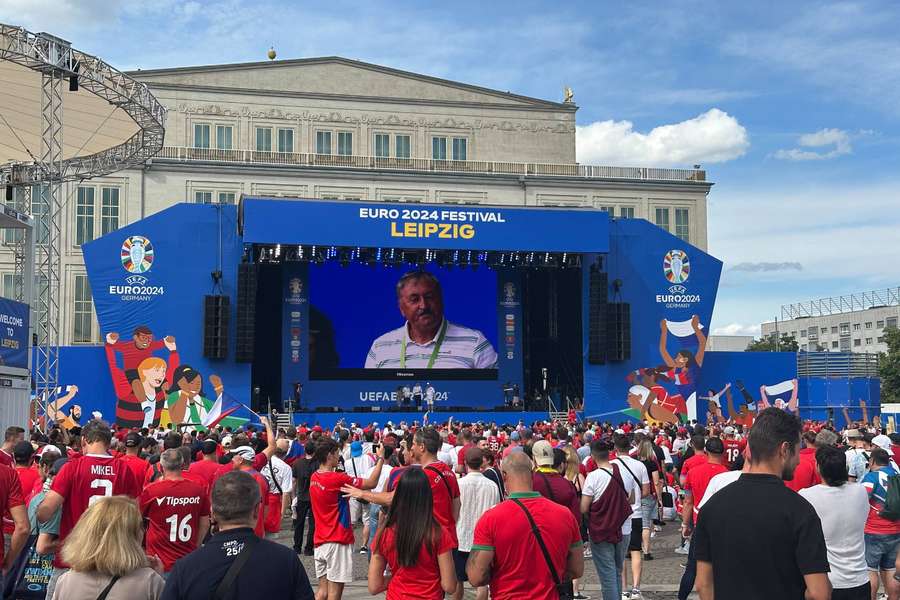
659, 580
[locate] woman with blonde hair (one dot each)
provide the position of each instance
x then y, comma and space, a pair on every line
651, 504
106, 557
572, 472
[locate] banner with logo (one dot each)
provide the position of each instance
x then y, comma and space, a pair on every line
266, 220
671, 287
13, 334
148, 281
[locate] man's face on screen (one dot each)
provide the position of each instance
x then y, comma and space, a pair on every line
421, 304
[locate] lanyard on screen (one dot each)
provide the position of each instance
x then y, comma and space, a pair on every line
434, 353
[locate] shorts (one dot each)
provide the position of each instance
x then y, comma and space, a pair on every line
649, 511
356, 511
459, 561
862, 592
635, 543
881, 551
334, 562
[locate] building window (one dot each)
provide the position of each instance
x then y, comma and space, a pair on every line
834, 330
803, 333
868, 324
856, 326
285, 140
109, 210
382, 145
845, 343
263, 139
626, 212
40, 210
323, 142
83, 315
439, 148
662, 218
224, 135
203, 197
891, 322
345, 143
226, 197
401, 146
607, 209
834, 344
11, 235
84, 215
459, 149
845, 328
9, 286
857, 342
881, 339
824, 330
201, 136
682, 224
868, 341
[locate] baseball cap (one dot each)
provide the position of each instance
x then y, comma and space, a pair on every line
245, 452
715, 446
853, 434
882, 441
133, 440
356, 449
542, 452
729, 430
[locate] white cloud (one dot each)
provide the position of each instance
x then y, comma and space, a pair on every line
712, 137
737, 329
837, 138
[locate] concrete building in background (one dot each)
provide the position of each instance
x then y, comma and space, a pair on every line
850, 323
340, 129
728, 343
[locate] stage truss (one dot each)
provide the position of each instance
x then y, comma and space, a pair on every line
56, 63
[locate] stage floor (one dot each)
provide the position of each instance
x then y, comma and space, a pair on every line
328, 420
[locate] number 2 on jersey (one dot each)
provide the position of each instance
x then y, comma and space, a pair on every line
180, 532
107, 489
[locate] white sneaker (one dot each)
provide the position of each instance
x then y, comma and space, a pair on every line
626, 595
587, 552
636, 594
683, 549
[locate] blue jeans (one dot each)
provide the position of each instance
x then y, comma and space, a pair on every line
689, 577
608, 560
881, 551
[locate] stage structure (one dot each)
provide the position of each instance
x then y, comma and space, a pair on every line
65, 116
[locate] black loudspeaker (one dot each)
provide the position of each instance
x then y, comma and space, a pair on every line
215, 326
327, 409
597, 316
245, 336
618, 346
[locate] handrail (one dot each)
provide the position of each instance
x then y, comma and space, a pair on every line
340, 161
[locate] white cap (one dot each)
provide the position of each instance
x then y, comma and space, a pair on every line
882, 441
245, 452
729, 430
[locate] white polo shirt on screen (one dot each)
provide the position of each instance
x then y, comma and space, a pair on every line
461, 348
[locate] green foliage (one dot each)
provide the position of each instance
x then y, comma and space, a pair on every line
786, 343
889, 366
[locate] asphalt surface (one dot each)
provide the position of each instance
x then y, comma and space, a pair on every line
659, 579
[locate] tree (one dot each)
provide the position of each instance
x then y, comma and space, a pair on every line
786, 343
889, 366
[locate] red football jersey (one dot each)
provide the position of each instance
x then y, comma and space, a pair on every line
87, 477
206, 470
330, 507
137, 465
173, 509
10, 493
733, 449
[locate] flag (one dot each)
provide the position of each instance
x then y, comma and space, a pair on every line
780, 394
222, 408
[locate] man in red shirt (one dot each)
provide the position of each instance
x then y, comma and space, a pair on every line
242, 459
13, 436
92, 474
734, 447
466, 438
695, 487
12, 502
28, 475
806, 475
206, 467
132, 457
176, 511
333, 540
699, 458
506, 553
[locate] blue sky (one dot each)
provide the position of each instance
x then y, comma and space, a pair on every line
793, 108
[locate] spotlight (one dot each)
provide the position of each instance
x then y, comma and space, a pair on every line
277, 250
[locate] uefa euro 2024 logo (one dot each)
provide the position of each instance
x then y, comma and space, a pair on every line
137, 254
676, 266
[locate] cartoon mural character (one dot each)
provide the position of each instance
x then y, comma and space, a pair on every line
56, 414
778, 392
141, 406
714, 405
651, 401
683, 368
141, 347
186, 403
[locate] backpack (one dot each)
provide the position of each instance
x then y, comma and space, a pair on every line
891, 510
609, 512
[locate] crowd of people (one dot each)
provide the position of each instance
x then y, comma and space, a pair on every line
779, 508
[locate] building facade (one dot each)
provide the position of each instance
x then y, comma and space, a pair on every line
728, 343
338, 129
849, 331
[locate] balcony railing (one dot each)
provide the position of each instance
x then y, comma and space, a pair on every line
426, 165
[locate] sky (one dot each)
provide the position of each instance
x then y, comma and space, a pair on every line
793, 108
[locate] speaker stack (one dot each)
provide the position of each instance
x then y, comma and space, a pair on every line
597, 315
246, 312
619, 331
215, 326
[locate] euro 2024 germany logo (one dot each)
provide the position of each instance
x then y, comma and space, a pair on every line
137, 258
677, 270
